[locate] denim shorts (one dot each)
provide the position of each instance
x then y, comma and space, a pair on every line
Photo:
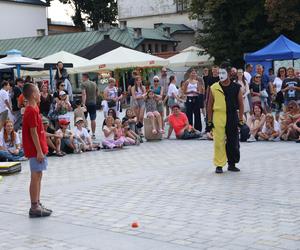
92, 111
36, 166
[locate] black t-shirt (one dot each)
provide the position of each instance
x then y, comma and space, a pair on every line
291, 94
14, 100
231, 93
210, 80
256, 88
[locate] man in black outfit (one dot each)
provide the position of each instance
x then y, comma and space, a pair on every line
16, 92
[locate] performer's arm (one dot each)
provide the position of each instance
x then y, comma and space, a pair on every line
241, 105
210, 105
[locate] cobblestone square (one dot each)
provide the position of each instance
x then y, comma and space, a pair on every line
170, 189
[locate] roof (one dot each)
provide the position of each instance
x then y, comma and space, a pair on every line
280, 49
175, 28
99, 49
38, 47
34, 2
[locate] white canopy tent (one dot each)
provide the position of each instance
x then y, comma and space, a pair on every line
191, 57
122, 58
4, 66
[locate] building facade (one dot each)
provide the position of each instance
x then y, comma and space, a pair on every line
21, 18
146, 13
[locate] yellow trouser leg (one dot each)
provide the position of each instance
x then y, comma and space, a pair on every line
220, 157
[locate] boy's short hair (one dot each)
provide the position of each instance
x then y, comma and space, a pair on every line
28, 90
5, 83
78, 102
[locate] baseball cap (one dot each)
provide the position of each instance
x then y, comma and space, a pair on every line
64, 122
79, 119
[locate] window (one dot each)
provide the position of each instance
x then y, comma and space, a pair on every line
164, 47
143, 48
149, 48
182, 5
156, 48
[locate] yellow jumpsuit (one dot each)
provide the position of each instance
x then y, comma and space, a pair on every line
219, 121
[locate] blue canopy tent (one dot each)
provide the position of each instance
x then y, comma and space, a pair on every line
280, 49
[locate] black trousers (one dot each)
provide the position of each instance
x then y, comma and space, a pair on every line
193, 105
232, 139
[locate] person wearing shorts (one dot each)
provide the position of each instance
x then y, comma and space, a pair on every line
35, 149
89, 99
138, 91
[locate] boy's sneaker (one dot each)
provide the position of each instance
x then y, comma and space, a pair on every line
251, 139
276, 139
39, 212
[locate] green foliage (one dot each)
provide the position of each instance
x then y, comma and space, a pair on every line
231, 27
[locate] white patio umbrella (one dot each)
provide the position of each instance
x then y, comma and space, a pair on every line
189, 57
121, 58
14, 57
4, 66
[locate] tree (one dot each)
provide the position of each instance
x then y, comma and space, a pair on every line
231, 28
285, 16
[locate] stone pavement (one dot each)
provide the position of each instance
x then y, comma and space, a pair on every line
170, 188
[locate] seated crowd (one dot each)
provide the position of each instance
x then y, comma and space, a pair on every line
271, 111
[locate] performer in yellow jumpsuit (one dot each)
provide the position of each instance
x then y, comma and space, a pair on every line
225, 113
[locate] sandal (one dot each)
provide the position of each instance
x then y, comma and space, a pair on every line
59, 154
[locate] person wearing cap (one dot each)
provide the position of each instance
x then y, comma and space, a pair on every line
225, 113
67, 137
83, 140
158, 91
53, 139
16, 110
178, 122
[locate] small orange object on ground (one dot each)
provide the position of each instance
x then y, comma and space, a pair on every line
135, 224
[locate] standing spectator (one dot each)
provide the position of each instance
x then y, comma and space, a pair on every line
247, 73
35, 148
278, 97
62, 75
194, 90
291, 87
10, 144
205, 76
271, 75
172, 95
111, 98
245, 91
178, 122
89, 100
134, 74
256, 89
138, 90
211, 79
164, 83
264, 78
4, 102
46, 100
16, 92
158, 91
79, 112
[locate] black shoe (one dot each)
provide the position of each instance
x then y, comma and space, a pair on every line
219, 170
39, 212
233, 168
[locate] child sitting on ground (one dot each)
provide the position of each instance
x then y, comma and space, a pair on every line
110, 132
270, 130
83, 139
67, 137
130, 133
120, 134
79, 112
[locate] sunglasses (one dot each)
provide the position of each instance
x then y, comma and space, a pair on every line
156, 80
62, 85
258, 77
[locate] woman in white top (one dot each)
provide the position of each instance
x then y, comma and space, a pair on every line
4, 102
194, 90
278, 97
10, 144
111, 98
138, 91
245, 90
172, 94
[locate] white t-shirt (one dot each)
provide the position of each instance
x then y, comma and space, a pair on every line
269, 131
83, 134
111, 136
172, 89
277, 83
8, 145
247, 76
3, 97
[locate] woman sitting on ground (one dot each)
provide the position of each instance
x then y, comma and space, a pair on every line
152, 112
83, 138
67, 137
120, 134
131, 119
10, 144
53, 139
297, 129
270, 130
255, 122
288, 119
110, 132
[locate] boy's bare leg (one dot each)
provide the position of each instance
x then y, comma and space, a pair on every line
34, 189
